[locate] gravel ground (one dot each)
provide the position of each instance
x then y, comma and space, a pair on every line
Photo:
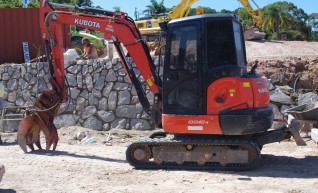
100, 167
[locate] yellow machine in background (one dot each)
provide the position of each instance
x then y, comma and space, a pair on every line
252, 32
151, 26
150, 29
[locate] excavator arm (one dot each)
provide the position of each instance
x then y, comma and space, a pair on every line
182, 9
151, 26
117, 27
256, 14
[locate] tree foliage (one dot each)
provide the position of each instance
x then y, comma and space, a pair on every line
33, 5
313, 23
226, 11
276, 17
286, 18
155, 8
11, 4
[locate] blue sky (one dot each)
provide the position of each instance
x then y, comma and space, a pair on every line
128, 6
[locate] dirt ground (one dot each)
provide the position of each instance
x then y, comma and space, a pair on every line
280, 49
101, 167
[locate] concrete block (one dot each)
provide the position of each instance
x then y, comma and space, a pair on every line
314, 134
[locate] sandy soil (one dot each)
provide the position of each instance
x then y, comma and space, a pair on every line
280, 49
271, 49
101, 167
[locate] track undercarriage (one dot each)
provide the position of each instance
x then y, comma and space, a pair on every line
202, 152
197, 154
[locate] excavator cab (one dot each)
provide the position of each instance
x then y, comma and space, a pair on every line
200, 50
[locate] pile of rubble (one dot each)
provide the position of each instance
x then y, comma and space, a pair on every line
292, 82
294, 72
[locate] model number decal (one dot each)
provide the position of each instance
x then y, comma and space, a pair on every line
262, 90
200, 122
109, 28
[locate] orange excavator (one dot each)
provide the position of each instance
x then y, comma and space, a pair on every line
216, 110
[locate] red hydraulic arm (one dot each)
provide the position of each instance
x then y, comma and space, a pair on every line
116, 26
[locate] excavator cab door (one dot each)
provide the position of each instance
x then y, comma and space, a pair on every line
181, 81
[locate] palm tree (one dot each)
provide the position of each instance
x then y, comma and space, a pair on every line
155, 7
275, 17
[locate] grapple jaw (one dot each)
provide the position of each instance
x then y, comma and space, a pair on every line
40, 119
52, 138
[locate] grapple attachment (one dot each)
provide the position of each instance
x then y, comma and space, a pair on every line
40, 119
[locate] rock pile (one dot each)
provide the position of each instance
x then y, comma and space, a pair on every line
281, 102
287, 71
296, 81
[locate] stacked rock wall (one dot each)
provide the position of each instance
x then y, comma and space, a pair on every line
100, 94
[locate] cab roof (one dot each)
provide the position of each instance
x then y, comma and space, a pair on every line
206, 16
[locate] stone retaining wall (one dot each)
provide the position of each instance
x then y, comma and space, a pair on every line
100, 97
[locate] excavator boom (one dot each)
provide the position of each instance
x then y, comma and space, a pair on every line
117, 27
182, 9
253, 32
255, 13
151, 26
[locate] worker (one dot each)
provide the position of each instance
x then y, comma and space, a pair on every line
1, 94
90, 51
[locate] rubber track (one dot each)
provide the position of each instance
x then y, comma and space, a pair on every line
250, 145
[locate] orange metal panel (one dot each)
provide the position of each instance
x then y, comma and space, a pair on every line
200, 124
229, 92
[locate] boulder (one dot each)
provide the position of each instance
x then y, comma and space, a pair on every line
106, 116
124, 97
277, 115
65, 120
279, 97
307, 97
112, 100
126, 111
93, 123
88, 112
118, 124
140, 124
71, 79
